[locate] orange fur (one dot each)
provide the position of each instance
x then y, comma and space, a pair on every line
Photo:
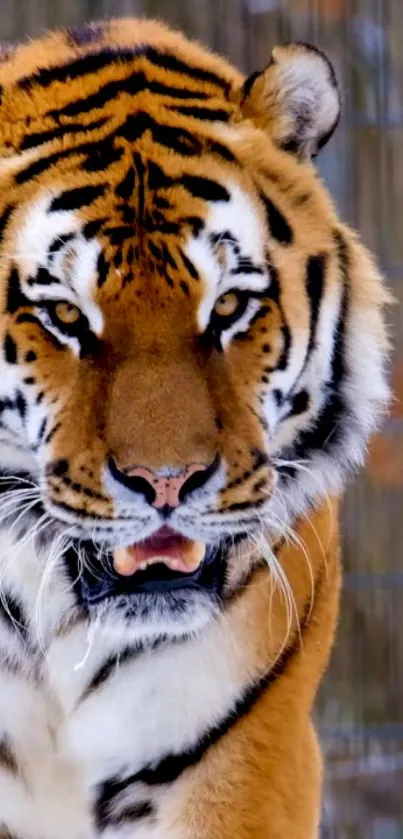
262, 780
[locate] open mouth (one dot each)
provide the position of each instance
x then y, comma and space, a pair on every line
167, 547
163, 563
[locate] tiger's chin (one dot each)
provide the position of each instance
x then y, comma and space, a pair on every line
140, 619
156, 598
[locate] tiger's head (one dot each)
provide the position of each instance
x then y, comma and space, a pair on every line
193, 343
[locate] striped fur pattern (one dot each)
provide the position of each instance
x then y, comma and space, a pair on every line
143, 180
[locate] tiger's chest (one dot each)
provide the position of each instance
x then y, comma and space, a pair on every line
41, 789
61, 772
96, 746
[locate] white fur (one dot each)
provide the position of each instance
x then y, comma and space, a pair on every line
239, 217
157, 704
78, 284
304, 78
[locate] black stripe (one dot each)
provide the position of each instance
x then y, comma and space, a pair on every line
245, 505
157, 178
172, 766
51, 434
13, 614
8, 760
10, 349
199, 112
102, 269
221, 151
300, 403
170, 62
111, 666
92, 228
124, 189
15, 297
4, 219
204, 188
278, 224
195, 223
314, 283
117, 235
21, 404
95, 62
189, 265
315, 275
42, 431
135, 83
246, 266
60, 242
135, 812
27, 317
104, 154
41, 165
328, 430
44, 163
178, 139
74, 199
275, 294
40, 137
92, 63
43, 277
105, 815
248, 84
167, 257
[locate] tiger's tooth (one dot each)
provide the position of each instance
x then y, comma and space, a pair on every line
124, 562
194, 554
174, 564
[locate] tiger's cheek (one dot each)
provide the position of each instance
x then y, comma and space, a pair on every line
242, 383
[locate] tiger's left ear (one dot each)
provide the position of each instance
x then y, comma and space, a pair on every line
295, 99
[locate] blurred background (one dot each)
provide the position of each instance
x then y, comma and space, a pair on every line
360, 710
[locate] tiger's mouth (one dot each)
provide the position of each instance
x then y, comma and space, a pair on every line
166, 546
165, 562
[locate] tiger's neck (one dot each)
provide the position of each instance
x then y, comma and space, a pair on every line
128, 721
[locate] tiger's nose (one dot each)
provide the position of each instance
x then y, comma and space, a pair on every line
166, 489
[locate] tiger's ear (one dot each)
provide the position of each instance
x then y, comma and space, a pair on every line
295, 99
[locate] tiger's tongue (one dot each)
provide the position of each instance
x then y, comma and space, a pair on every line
165, 546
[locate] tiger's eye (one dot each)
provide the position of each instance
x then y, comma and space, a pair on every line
227, 305
67, 313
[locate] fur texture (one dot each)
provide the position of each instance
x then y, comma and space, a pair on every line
144, 182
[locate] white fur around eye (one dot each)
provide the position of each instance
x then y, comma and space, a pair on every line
76, 265
240, 325
72, 266
68, 340
38, 229
238, 220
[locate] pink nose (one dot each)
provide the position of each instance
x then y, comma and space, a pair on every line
168, 489
164, 492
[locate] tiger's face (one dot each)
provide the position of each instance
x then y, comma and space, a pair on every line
183, 316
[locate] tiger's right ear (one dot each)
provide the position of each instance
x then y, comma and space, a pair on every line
295, 99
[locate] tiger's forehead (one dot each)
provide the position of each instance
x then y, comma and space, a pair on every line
65, 252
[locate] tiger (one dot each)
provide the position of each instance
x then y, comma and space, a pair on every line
194, 355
